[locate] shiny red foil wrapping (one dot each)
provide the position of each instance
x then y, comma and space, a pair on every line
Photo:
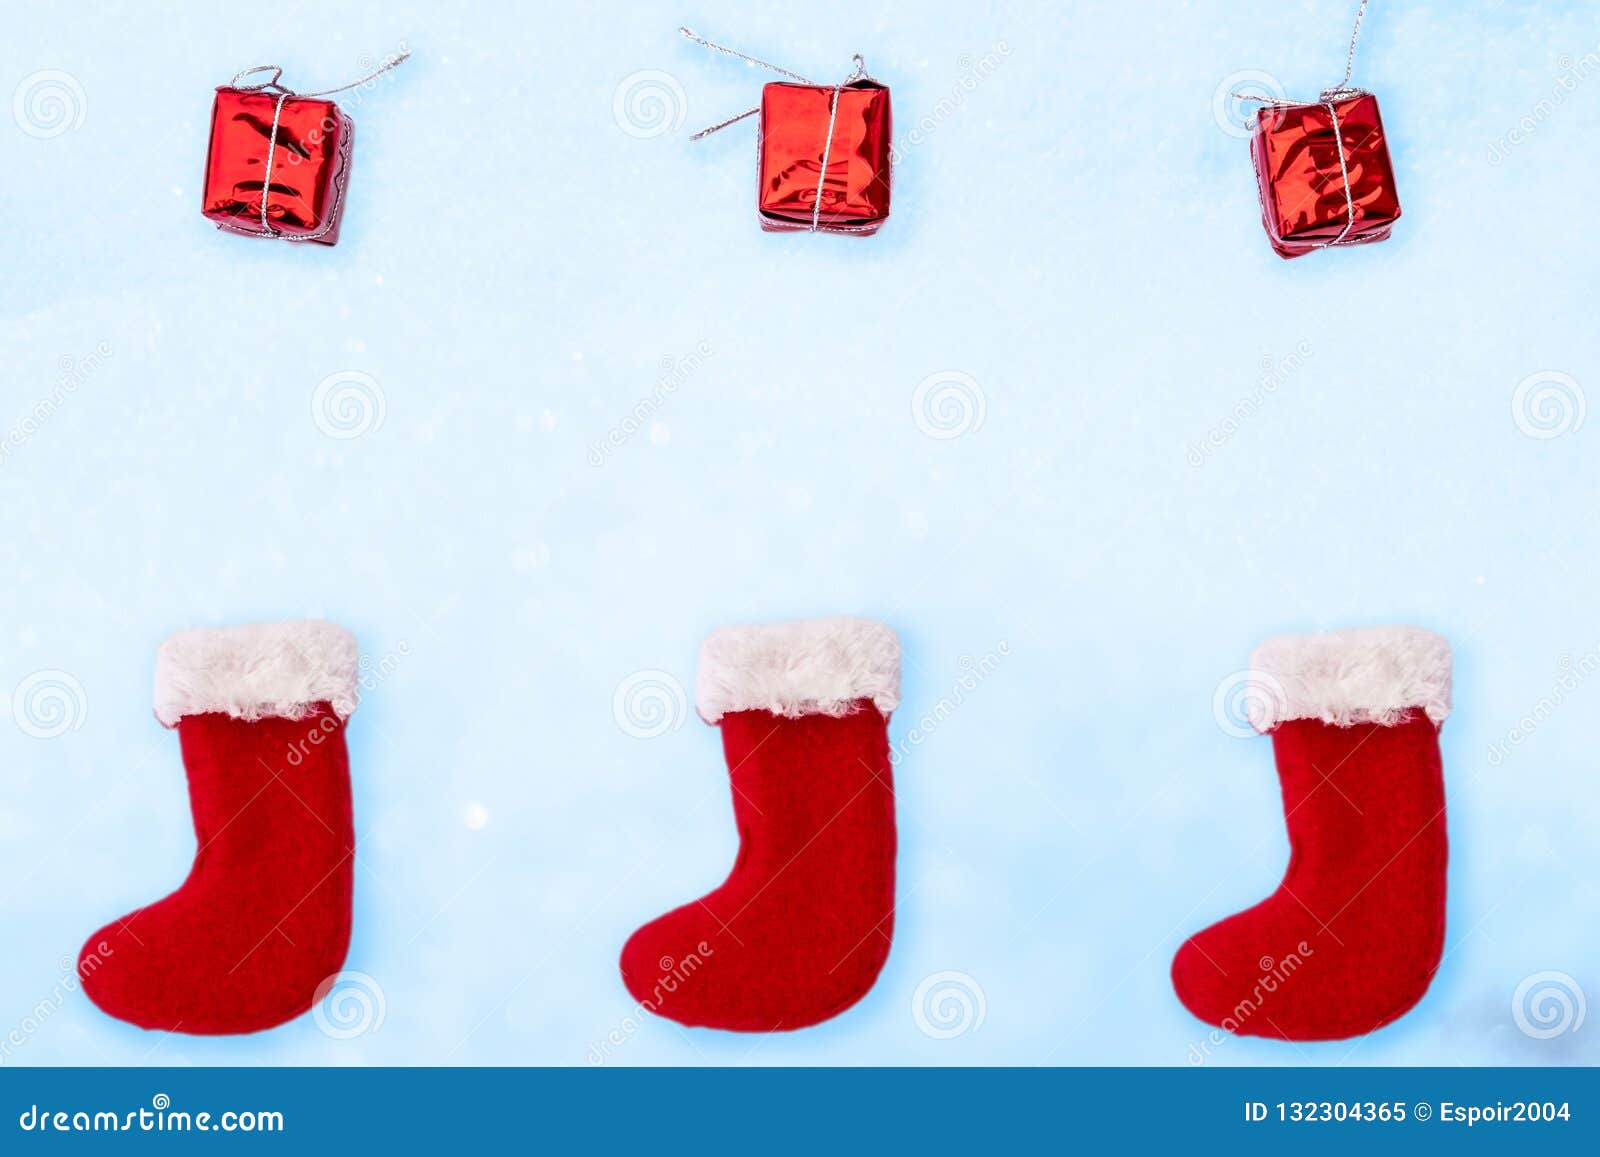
793, 141
310, 165
1296, 154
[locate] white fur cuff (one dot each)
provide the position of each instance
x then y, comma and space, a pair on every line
1367, 675
261, 670
809, 667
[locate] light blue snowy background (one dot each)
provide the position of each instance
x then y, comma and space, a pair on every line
1067, 411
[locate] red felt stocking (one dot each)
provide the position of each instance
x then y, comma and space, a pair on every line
1351, 938
264, 916
802, 926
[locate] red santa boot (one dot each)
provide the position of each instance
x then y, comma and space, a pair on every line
1351, 938
264, 916
802, 926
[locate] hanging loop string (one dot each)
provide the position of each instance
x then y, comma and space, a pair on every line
704, 43
1327, 99
720, 125
277, 76
1338, 91
1350, 57
859, 72
275, 84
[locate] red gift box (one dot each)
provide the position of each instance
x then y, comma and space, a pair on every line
300, 168
1324, 174
811, 147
